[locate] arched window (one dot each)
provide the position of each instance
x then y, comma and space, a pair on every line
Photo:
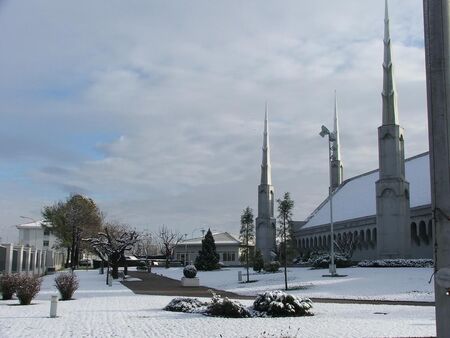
423, 232
315, 242
368, 236
414, 237
374, 235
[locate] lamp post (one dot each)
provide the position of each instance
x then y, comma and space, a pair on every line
186, 262
331, 138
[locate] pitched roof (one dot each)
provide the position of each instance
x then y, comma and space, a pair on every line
356, 196
219, 238
33, 225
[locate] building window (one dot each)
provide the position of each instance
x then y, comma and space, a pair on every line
46, 232
46, 243
229, 256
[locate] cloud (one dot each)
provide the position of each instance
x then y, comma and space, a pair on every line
155, 109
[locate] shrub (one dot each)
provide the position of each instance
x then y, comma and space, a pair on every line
66, 283
258, 262
281, 304
397, 263
273, 266
189, 271
322, 260
185, 305
8, 284
224, 307
27, 288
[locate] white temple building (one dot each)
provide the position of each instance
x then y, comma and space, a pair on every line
386, 212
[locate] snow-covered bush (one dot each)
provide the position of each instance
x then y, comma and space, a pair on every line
185, 305
281, 304
27, 288
397, 263
66, 283
8, 284
322, 260
273, 266
224, 307
189, 271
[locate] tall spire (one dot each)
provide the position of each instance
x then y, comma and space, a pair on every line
336, 142
390, 113
266, 172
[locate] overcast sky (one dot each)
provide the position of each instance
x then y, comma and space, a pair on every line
155, 108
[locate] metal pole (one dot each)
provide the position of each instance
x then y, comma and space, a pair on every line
437, 56
332, 267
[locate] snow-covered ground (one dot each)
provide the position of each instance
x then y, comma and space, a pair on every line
360, 283
101, 311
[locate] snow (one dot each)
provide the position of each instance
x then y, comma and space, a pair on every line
410, 284
356, 197
100, 311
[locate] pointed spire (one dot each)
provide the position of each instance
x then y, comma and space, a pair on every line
266, 172
336, 142
390, 113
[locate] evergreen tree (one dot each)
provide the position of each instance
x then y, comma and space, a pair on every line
258, 263
208, 258
246, 235
285, 207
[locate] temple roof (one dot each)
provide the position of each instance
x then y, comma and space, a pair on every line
355, 197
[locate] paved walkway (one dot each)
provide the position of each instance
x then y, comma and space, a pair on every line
152, 284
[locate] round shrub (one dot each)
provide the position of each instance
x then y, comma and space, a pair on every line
184, 305
8, 284
273, 266
27, 288
224, 307
66, 283
281, 304
189, 271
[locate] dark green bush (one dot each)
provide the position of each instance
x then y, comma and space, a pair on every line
273, 266
224, 307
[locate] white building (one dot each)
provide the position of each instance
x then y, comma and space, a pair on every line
36, 235
227, 246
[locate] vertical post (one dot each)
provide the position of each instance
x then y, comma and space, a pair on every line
53, 306
437, 57
9, 257
332, 267
19, 258
27, 260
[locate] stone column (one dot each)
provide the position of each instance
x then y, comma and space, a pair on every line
19, 258
28, 260
33, 262
437, 57
9, 257
39, 262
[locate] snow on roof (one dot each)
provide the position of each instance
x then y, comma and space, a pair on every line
33, 225
219, 238
356, 196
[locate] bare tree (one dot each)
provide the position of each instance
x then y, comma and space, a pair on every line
111, 244
168, 239
146, 246
346, 245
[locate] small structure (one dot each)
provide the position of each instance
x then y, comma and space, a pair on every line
227, 246
189, 278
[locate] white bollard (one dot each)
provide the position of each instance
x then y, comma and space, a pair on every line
110, 280
240, 276
53, 306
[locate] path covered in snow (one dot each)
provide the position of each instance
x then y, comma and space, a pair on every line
410, 284
100, 311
